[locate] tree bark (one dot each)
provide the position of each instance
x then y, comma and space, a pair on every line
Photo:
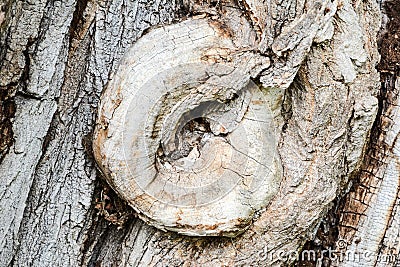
335, 121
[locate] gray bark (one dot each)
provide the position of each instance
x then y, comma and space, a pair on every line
336, 128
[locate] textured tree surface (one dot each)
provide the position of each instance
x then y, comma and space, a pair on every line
326, 73
190, 142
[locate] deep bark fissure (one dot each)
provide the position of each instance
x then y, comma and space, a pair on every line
103, 229
7, 111
343, 216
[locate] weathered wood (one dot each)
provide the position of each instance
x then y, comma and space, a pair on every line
48, 172
57, 57
308, 155
369, 218
39, 62
170, 78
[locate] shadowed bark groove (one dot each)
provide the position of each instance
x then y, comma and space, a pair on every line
378, 184
301, 145
57, 57
346, 220
64, 79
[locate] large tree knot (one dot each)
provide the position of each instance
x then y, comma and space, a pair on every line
185, 136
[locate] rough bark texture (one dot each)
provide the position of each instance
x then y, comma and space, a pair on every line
366, 219
208, 181
63, 53
370, 219
57, 57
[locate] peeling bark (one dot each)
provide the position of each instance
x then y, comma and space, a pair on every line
57, 57
365, 219
368, 219
47, 167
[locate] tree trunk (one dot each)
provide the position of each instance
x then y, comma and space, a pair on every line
327, 167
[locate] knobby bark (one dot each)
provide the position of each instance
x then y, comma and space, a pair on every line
336, 130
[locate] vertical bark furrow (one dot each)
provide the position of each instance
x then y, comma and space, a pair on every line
336, 106
371, 205
35, 103
58, 221
57, 57
320, 151
16, 39
7, 112
366, 220
369, 216
389, 247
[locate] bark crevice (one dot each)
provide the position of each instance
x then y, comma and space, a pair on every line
342, 221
